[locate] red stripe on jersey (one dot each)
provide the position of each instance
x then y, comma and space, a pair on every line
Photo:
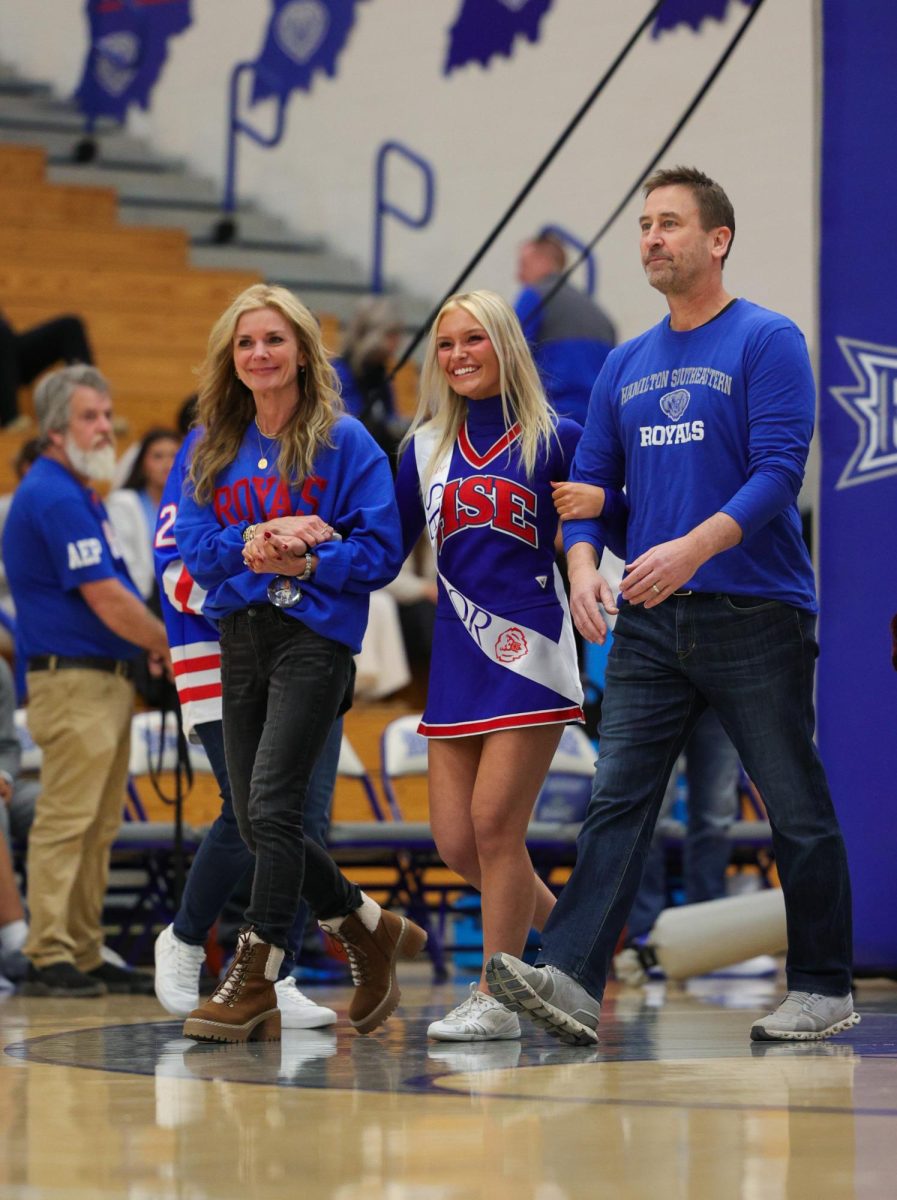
183, 588
550, 716
482, 460
189, 666
206, 692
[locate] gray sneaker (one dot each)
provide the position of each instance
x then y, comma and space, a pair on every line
547, 996
806, 1017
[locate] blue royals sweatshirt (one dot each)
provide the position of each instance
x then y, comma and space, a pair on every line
713, 419
350, 487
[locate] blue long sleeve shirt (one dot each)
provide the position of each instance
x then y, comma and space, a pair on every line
713, 419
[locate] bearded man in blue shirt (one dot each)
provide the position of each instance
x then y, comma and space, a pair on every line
81, 625
706, 419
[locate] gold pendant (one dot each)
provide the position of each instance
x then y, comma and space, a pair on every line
263, 462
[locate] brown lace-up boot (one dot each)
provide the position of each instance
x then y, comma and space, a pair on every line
243, 1008
372, 958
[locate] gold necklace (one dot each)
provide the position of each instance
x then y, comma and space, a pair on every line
263, 458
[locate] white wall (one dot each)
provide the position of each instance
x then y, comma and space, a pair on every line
484, 129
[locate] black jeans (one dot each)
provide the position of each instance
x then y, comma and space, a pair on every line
283, 687
24, 355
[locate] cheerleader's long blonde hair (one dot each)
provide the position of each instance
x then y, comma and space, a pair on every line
226, 407
522, 395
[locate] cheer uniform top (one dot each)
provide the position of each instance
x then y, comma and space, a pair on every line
192, 638
349, 487
503, 649
58, 537
707, 420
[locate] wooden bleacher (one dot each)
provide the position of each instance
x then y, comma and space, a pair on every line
147, 311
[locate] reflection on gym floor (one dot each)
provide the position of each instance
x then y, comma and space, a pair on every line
105, 1099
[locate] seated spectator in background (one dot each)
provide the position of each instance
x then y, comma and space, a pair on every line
186, 417
18, 796
416, 596
17, 799
13, 925
371, 339
381, 666
23, 356
134, 506
570, 337
81, 624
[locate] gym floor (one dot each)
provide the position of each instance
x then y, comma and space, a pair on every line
104, 1098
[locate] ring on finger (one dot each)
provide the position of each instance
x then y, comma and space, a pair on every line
656, 589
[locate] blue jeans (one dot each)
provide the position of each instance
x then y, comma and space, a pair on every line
224, 858
283, 687
753, 661
712, 771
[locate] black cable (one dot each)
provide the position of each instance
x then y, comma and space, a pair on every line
676, 130
531, 182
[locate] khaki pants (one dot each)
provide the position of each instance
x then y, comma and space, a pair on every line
81, 720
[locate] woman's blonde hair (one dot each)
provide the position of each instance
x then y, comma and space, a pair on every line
522, 395
226, 408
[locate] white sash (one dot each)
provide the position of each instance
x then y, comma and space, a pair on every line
504, 640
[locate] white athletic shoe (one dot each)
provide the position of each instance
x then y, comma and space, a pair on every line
297, 1011
806, 1017
177, 973
479, 1019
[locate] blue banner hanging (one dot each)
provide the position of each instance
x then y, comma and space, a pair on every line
857, 699
304, 36
691, 12
128, 49
485, 28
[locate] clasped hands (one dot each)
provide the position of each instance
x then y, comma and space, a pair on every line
280, 545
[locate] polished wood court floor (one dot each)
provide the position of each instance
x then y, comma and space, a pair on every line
104, 1098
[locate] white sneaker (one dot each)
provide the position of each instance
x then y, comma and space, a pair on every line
479, 1019
806, 1017
297, 1011
177, 973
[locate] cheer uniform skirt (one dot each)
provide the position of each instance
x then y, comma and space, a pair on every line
471, 694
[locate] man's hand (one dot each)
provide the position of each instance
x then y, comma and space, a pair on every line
659, 572
6, 789
578, 501
663, 569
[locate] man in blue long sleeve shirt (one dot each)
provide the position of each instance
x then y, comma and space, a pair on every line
706, 419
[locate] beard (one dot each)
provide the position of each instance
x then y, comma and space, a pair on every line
97, 464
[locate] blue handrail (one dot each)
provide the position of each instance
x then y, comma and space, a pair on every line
383, 208
580, 247
236, 125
